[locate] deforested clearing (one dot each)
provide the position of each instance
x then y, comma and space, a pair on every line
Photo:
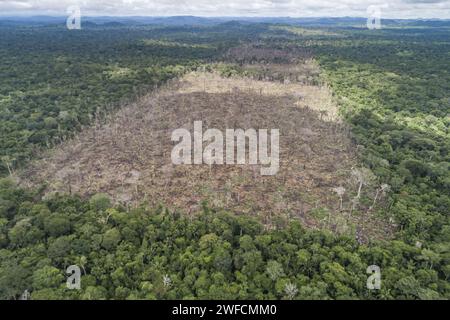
128, 155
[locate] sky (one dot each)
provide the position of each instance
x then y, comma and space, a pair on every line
215, 8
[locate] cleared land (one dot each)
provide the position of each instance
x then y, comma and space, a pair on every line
128, 156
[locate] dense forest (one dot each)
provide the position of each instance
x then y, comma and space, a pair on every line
393, 88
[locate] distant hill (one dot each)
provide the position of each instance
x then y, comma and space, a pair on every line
112, 21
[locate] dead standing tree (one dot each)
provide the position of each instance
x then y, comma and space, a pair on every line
8, 162
384, 188
340, 191
363, 177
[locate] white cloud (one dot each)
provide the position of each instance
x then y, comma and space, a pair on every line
293, 8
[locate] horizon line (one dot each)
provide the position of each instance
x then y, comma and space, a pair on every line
16, 15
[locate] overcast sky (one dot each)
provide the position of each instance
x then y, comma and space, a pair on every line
292, 8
